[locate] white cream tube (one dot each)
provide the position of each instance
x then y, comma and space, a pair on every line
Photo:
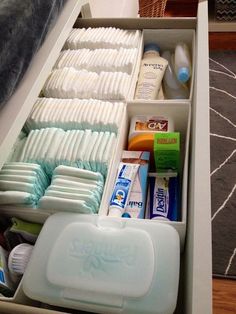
122, 188
152, 70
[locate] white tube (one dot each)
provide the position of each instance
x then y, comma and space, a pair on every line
122, 188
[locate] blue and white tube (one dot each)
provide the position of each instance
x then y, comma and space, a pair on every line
163, 196
124, 181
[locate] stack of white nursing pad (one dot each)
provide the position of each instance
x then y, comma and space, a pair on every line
98, 60
78, 59
71, 83
112, 86
75, 114
73, 189
51, 147
102, 37
22, 184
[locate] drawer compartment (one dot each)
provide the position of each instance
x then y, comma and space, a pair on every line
180, 114
167, 39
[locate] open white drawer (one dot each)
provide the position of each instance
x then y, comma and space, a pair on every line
195, 279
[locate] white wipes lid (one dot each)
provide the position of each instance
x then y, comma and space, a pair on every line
104, 264
99, 259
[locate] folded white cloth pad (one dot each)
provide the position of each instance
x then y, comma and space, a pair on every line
73, 189
22, 184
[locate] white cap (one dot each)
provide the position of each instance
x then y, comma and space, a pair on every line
114, 212
183, 74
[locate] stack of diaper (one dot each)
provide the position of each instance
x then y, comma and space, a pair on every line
41, 147
22, 184
102, 37
71, 83
77, 114
17, 147
98, 60
51, 147
73, 189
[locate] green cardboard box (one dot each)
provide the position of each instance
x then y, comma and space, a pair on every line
167, 151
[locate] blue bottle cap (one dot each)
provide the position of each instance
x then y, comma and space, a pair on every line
126, 215
151, 46
183, 75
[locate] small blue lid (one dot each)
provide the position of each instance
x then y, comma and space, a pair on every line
151, 46
126, 215
183, 74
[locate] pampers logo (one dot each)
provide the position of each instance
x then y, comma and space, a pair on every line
95, 256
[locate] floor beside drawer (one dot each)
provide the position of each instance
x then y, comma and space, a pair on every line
224, 296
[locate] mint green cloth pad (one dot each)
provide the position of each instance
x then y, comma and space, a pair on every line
17, 147
28, 230
77, 179
18, 198
22, 184
59, 204
85, 149
110, 147
76, 185
89, 149
41, 147
61, 170
81, 190
90, 201
73, 189
21, 167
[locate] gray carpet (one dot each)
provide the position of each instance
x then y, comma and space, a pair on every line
223, 161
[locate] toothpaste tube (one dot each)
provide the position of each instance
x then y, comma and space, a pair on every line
163, 197
123, 185
137, 199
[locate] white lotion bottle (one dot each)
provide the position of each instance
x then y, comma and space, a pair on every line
182, 62
173, 89
152, 70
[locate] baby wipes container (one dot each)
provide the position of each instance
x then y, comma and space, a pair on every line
105, 265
